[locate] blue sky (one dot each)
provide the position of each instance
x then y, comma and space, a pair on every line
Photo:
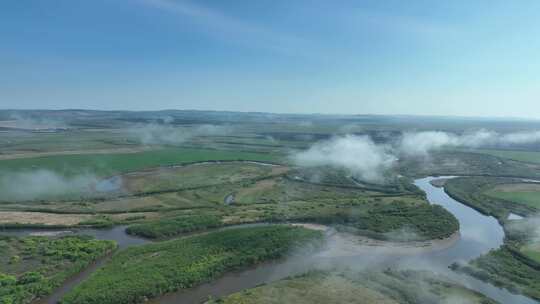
477, 58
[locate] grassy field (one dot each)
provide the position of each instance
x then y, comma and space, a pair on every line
524, 156
477, 193
196, 176
532, 251
192, 194
78, 177
32, 267
109, 164
27, 143
388, 287
183, 196
183, 263
527, 194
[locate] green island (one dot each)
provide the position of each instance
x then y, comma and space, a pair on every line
180, 264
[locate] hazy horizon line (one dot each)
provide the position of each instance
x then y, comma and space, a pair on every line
440, 116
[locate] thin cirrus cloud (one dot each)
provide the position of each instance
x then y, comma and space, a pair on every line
228, 28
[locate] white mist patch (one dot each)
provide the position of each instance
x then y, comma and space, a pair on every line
421, 143
156, 134
32, 123
521, 137
405, 234
31, 185
527, 227
356, 154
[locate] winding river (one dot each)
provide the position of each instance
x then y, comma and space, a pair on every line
478, 235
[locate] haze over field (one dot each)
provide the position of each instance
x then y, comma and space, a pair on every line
369, 161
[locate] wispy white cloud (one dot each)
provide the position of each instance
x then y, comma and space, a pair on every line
421, 143
357, 154
401, 25
229, 28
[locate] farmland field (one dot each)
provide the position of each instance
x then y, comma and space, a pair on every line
528, 194
109, 164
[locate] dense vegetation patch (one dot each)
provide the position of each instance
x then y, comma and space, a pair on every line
163, 228
33, 267
381, 218
147, 271
394, 221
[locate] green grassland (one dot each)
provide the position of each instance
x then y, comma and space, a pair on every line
177, 264
526, 193
262, 194
523, 156
283, 199
531, 199
31, 267
110, 164
532, 251
196, 176
74, 140
388, 287
477, 192
85, 172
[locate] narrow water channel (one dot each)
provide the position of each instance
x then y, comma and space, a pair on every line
478, 235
